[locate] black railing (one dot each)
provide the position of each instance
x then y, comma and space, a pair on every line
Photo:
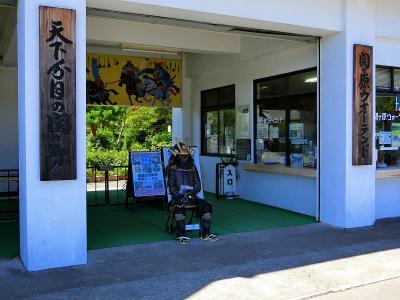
106, 185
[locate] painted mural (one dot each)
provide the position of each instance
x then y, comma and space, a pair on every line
132, 81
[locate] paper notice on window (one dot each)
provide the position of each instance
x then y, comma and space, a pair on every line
208, 130
242, 122
262, 131
385, 138
274, 132
395, 134
296, 130
213, 144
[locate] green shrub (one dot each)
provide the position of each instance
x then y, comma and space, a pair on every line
96, 157
159, 140
104, 139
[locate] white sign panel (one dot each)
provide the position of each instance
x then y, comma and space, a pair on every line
229, 180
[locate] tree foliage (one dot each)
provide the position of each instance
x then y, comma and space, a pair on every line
114, 131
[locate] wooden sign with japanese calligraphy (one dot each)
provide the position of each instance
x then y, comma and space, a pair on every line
57, 94
362, 105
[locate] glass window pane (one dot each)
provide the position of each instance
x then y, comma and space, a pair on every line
209, 98
211, 132
271, 88
302, 83
227, 131
383, 79
387, 120
396, 79
303, 138
293, 141
227, 95
271, 136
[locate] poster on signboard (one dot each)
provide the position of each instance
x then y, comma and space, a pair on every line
196, 158
147, 174
132, 81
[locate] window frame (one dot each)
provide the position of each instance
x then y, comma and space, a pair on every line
218, 107
286, 106
392, 91
385, 93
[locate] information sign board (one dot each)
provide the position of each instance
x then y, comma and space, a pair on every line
147, 174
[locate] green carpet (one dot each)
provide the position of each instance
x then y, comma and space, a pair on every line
113, 226
9, 239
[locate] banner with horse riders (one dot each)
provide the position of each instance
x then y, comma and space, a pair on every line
132, 81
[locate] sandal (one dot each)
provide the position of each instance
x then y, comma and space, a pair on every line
210, 237
183, 240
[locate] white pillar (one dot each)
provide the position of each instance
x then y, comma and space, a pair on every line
182, 117
52, 213
347, 192
177, 124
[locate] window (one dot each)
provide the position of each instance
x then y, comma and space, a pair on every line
218, 121
285, 123
387, 117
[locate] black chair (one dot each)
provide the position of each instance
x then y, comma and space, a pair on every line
170, 225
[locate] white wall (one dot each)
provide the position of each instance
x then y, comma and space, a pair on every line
387, 198
295, 193
259, 58
8, 118
387, 22
52, 213
387, 51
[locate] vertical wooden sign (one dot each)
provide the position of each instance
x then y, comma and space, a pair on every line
362, 105
57, 93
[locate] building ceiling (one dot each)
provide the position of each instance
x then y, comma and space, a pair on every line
189, 24
8, 40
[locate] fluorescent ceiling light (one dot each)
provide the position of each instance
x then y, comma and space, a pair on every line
150, 49
311, 80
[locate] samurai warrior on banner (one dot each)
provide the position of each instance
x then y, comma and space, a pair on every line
164, 82
130, 76
184, 184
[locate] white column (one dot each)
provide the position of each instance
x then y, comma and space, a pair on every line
53, 213
347, 192
182, 117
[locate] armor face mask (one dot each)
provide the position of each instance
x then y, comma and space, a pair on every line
182, 151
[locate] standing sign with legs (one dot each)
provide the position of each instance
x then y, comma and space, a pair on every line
145, 176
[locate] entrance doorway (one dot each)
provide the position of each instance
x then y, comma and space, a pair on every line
218, 73
9, 226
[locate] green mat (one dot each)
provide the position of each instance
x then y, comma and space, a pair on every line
113, 226
9, 239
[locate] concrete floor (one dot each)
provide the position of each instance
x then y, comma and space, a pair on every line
311, 261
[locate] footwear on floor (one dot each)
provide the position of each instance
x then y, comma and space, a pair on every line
183, 240
210, 237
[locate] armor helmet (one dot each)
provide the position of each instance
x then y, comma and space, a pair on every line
181, 149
